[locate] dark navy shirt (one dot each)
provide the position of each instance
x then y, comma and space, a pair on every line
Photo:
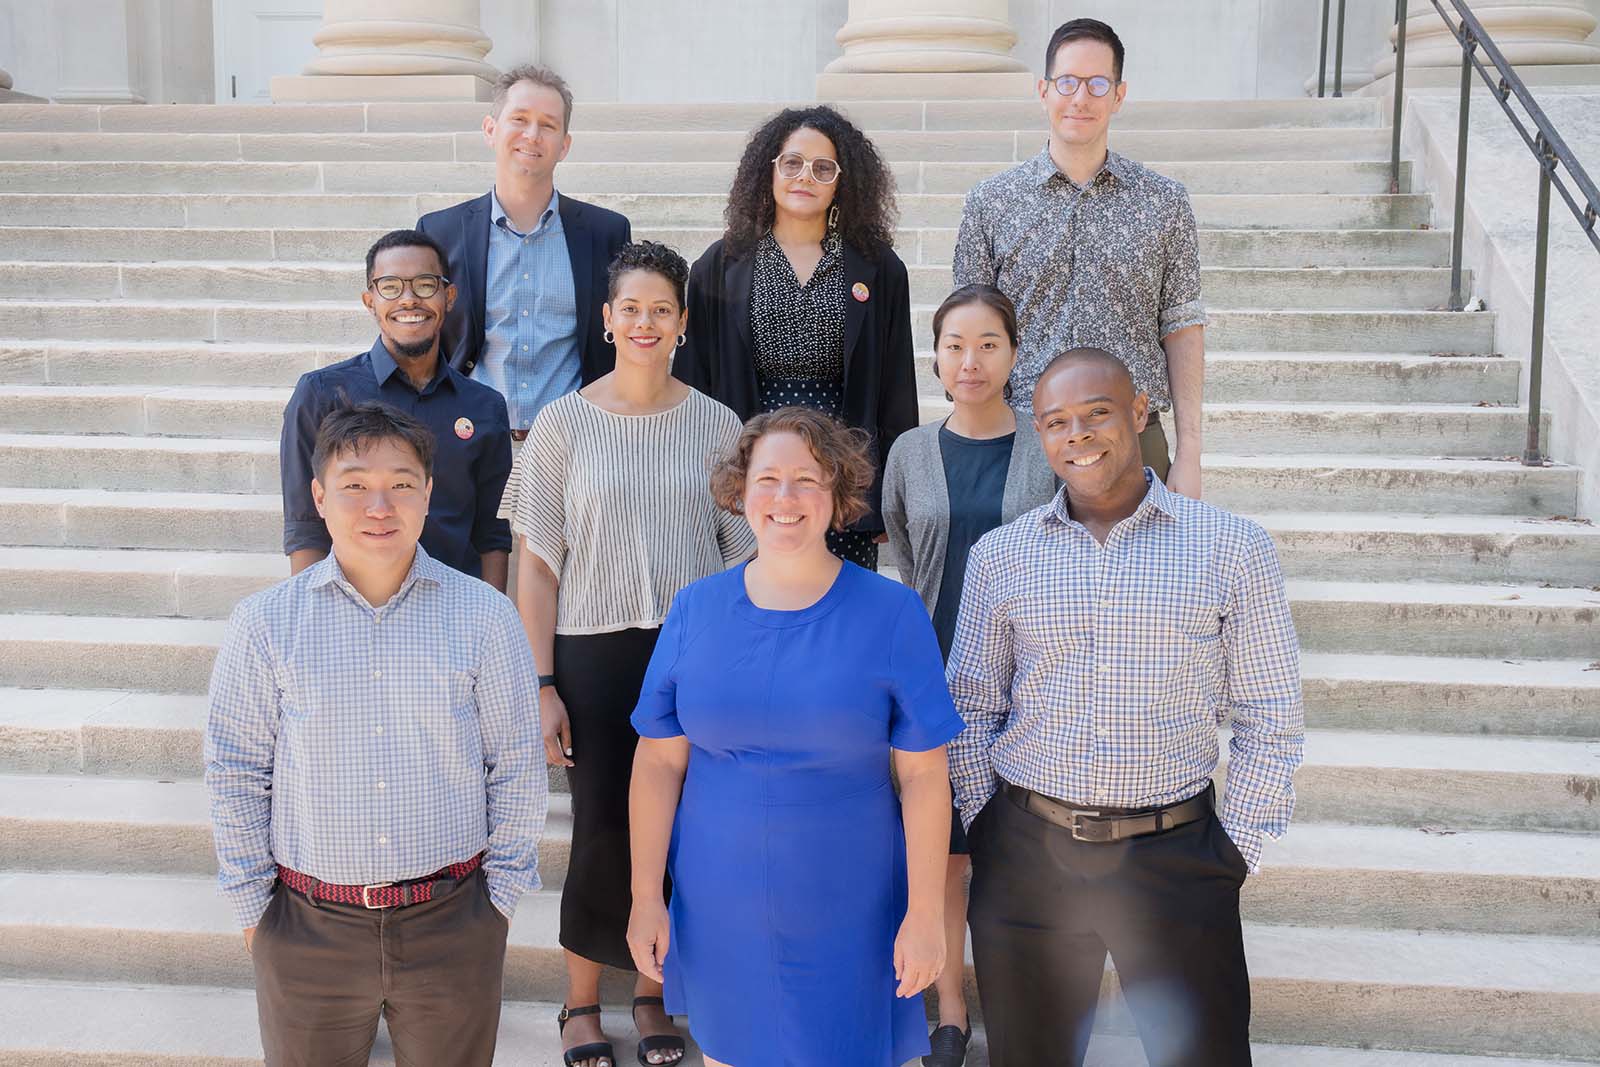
471, 462
975, 480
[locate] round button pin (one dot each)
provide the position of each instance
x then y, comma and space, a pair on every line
860, 292
464, 428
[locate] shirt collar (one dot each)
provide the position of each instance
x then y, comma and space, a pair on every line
384, 367
1042, 168
424, 568
1157, 497
550, 216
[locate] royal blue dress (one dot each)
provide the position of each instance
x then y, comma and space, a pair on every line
788, 856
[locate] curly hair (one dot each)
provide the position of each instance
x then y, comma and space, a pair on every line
865, 196
843, 452
649, 256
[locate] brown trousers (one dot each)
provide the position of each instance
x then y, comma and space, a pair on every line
1153, 447
325, 972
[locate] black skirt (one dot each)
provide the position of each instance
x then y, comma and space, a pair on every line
598, 677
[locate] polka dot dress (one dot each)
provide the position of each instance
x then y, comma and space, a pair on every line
799, 341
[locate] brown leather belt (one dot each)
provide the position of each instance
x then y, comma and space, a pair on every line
382, 894
519, 435
1103, 827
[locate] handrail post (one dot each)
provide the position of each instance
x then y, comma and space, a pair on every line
1338, 55
1322, 60
1457, 298
1532, 454
1399, 93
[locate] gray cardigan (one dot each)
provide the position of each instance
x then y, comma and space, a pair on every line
916, 502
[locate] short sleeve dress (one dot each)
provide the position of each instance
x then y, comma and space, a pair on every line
788, 853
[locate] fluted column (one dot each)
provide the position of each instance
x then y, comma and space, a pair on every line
1530, 33
926, 48
395, 50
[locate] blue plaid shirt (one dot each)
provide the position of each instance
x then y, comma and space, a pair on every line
1099, 674
530, 342
361, 745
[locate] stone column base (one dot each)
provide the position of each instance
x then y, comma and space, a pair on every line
1010, 85
1450, 77
366, 88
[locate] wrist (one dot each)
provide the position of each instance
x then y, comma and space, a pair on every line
546, 681
649, 894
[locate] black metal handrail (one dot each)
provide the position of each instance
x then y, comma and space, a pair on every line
1545, 142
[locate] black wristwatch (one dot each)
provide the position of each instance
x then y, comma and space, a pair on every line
546, 679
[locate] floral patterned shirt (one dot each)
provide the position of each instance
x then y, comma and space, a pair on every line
1114, 264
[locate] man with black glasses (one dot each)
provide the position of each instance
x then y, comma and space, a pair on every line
1096, 250
409, 297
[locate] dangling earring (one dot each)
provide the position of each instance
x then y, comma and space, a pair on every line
610, 337
833, 217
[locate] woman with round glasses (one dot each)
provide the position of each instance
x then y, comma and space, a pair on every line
616, 513
803, 301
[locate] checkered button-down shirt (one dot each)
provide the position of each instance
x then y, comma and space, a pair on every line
362, 745
1100, 674
1114, 264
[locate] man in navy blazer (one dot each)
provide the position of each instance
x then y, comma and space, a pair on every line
529, 264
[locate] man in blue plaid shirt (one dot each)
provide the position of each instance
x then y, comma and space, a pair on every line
377, 782
1103, 640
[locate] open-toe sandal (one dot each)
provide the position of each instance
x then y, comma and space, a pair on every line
594, 1050
949, 1044
659, 1042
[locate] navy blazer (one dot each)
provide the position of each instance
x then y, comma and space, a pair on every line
593, 236
880, 386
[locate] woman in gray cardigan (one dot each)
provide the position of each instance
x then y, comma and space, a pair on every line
947, 484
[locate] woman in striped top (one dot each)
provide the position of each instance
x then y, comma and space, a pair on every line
616, 515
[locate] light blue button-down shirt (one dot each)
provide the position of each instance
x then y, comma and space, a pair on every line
1100, 673
362, 745
530, 346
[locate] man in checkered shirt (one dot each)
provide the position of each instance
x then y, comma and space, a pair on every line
1102, 641
377, 783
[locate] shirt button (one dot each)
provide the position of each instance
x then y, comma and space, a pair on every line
524, 385
383, 840
1100, 796
524, 312
377, 674
377, 729
524, 348
380, 785
524, 276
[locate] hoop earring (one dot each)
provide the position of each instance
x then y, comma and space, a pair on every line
1005, 393
683, 339
610, 337
833, 217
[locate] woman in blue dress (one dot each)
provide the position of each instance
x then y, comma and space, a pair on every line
807, 907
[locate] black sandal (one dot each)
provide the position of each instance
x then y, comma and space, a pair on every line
659, 1042
949, 1044
594, 1050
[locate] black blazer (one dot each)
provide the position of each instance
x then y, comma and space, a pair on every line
880, 387
593, 237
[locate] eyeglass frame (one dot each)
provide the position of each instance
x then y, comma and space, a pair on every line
1084, 83
805, 167
407, 283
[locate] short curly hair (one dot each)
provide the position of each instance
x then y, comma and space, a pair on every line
649, 256
865, 196
843, 452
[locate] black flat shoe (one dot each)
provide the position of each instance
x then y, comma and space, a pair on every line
594, 1050
949, 1045
660, 1042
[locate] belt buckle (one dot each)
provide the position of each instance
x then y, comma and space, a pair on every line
1076, 826
366, 899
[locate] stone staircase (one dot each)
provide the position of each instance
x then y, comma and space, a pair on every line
167, 272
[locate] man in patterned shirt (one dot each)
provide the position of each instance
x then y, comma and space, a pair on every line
376, 777
1103, 639
1095, 249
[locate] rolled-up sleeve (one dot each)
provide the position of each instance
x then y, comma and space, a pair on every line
1263, 696
302, 526
516, 784
1181, 304
979, 675
973, 262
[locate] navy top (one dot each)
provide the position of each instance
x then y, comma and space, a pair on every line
472, 457
975, 481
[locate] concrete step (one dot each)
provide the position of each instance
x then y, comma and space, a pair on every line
932, 246
271, 206
1441, 619
1441, 991
104, 518
135, 582
592, 116
1451, 695
89, 652
140, 410
1323, 482
1381, 288
172, 464
1448, 783
603, 163
1484, 881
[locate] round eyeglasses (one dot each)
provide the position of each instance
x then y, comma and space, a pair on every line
823, 171
1067, 84
422, 286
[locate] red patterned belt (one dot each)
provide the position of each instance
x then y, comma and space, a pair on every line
382, 894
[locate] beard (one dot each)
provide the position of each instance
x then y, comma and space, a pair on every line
415, 350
